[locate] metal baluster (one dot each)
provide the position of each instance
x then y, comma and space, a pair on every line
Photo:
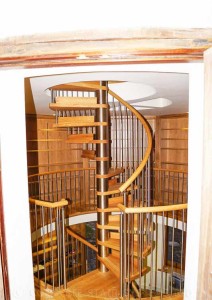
36, 231
58, 245
64, 249
52, 252
44, 246
162, 256
172, 261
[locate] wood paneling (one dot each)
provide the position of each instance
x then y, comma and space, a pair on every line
171, 142
47, 149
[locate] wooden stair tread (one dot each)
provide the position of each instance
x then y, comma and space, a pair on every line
79, 121
114, 189
80, 138
91, 154
95, 284
111, 173
115, 244
114, 224
75, 103
112, 262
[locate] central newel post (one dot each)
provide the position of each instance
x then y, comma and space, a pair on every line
102, 169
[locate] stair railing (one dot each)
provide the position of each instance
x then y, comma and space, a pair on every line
153, 250
48, 242
131, 148
170, 186
82, 256
77, 185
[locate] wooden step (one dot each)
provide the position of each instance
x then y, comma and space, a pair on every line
111, 173
75, 103
114, 201
114, 224
90, 154
112, 182
114, 244
112, 262
114, 189
95, 285
82, 121
80, 138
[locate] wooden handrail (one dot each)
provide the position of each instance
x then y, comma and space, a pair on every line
82, 240
60, 203
61, 171
129, 181
152, 209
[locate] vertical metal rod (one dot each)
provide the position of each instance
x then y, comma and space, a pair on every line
151, 263
36, 230
172, 261
162, 256
52, 252
58, 245
44, 246
64, 249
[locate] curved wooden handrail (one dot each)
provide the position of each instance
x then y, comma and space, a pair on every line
82, 240
47, 204
130, 180
152, 209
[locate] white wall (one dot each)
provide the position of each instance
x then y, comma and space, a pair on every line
28, 17
14, 169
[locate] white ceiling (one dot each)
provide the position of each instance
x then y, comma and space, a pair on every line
153, 93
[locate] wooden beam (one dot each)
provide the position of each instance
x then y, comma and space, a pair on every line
105, 47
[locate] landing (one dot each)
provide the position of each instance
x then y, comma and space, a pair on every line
92, 286
96, 285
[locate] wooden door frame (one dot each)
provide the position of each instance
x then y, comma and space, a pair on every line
3, 252
118, 46
204, 290
131, 46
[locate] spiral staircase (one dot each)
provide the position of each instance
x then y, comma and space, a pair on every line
116, 144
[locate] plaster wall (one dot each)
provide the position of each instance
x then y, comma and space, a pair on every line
30, 17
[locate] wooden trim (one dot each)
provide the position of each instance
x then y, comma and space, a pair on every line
86, 47
204, 281
3, 251
152, 209
82, 240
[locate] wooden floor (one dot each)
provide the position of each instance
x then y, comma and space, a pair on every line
94, 286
